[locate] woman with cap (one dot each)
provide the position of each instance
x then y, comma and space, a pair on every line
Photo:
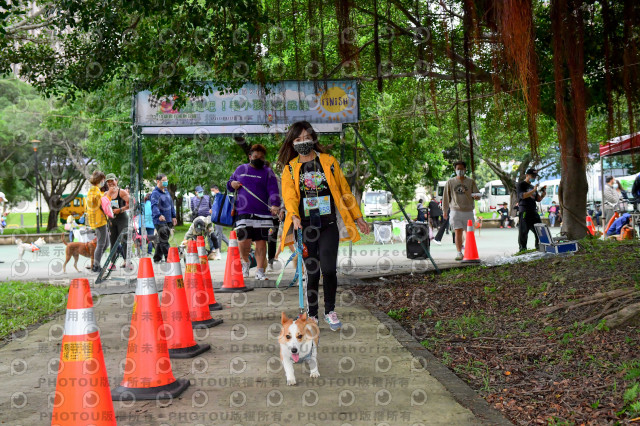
120, 221
319, 202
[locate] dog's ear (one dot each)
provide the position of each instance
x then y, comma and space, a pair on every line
284, 318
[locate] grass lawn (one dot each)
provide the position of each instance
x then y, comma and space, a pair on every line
25, 303
29, 219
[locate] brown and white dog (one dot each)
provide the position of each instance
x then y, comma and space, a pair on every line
78, 249
299, 342
33, 247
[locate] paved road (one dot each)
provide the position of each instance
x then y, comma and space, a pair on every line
369, 374
367, 260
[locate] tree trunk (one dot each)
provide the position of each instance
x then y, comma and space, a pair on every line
179, 210
52, 222
573, 189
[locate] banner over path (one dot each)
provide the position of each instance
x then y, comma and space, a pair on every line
252, 109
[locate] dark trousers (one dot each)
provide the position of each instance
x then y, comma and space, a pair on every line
217, 229
527, 220
322, 246
163, 231
117, 226
444, 227
505, 221
150, 232
214, 244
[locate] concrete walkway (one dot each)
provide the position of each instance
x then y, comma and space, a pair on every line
367, 376
366, 261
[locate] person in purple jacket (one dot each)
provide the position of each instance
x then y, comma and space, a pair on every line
257, 202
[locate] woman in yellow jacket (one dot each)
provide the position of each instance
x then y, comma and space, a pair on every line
318, 200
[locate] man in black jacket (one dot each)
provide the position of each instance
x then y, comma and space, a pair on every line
528, 196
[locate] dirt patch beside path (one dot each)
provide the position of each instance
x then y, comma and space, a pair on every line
531, 338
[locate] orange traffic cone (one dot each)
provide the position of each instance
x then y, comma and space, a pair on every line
613, 219
175, 312
470, 248
206, 274
147, 371
233, 279
590, 226
82, 387
197, 297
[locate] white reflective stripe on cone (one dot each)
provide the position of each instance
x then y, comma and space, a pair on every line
174, 269
146, 286
202, 251
192, 258
470, 228
79, 322
233, 243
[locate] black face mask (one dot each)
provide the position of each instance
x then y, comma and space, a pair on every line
258, 163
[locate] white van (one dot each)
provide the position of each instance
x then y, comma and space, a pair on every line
494, 195
440, 190
377, 203
552, 194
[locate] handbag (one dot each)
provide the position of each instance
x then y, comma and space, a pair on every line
223, 209
105, 204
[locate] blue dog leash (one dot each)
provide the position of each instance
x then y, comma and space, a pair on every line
298, 274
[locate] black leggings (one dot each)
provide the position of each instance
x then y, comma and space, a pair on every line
118, 225
322, 246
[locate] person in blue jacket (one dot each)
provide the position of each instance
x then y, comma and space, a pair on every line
619, 224
164, 216
148, 221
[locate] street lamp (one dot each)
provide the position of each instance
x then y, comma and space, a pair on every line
35, 143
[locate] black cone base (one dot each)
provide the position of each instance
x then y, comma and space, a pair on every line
233, 289
212, 322
190, 352
471, 261
215, 307
172, 390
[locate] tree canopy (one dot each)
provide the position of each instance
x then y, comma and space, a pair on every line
439, 81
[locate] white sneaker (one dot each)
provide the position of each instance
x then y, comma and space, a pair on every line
216, 254
245, 269
437, 242
260, 276
459, 256
269, 268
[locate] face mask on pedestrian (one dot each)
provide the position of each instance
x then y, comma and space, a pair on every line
165, 183
460, 173
258, 163
615, 186
200, 194
304, 147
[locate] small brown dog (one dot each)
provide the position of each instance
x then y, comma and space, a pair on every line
76, 249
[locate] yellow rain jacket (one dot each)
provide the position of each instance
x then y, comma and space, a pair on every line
347, 209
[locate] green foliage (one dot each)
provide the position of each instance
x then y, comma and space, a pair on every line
397, 314
25, 117
25, 303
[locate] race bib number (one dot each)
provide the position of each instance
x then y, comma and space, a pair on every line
321, 203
